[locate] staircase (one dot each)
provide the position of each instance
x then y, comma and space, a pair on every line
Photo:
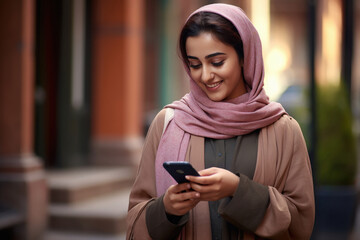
89, 203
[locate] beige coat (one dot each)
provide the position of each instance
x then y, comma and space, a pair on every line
282, 164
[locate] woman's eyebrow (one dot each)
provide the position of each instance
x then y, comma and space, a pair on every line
208, 56
214, 54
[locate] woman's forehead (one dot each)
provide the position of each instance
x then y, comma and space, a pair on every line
205, 44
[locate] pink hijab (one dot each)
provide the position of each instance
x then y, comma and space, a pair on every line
196, 114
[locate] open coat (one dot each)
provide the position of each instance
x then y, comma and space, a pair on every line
282, 165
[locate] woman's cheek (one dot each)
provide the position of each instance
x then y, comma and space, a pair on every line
195, 76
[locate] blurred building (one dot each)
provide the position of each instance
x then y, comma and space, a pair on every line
80, 81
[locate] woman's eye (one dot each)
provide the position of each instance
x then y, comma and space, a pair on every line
218, 64
195, 66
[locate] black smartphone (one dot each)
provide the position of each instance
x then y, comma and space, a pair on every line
178, 170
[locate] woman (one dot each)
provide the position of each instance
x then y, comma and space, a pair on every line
256, 180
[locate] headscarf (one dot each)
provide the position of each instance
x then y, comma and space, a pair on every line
196, 114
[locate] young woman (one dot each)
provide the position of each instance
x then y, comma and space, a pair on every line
255, 178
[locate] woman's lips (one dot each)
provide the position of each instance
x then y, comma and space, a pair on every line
213, 86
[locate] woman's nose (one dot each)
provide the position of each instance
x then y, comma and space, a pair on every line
206, 75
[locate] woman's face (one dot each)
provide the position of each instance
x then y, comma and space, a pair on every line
215, 67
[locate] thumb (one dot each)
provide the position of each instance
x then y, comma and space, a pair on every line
208, 171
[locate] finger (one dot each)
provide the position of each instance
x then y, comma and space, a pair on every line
203, 174
184, 207
209, 197
184, 196
179, 187
201, 188
202, 180
188, 195
208, 171
186, 204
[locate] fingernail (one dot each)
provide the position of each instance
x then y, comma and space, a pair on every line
188, 186
197, 194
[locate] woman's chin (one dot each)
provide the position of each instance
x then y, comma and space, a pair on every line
216, 97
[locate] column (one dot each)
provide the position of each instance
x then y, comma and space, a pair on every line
22, 180
117, 76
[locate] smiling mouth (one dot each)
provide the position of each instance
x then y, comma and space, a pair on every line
214, 85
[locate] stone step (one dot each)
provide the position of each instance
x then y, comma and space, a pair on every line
103, 215
9, 218
78, 185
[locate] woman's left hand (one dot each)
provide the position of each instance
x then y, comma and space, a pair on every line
214, 183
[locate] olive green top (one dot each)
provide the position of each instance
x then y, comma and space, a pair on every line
239, 156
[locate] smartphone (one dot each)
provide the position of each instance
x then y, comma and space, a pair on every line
178, 170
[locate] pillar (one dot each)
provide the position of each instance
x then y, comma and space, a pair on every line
22, 179
117, 75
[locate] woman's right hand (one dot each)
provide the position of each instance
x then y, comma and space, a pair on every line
180, 199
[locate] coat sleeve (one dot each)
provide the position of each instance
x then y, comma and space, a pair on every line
251, 194
284, 166
144, 190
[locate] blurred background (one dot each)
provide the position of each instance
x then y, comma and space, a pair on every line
81, 80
